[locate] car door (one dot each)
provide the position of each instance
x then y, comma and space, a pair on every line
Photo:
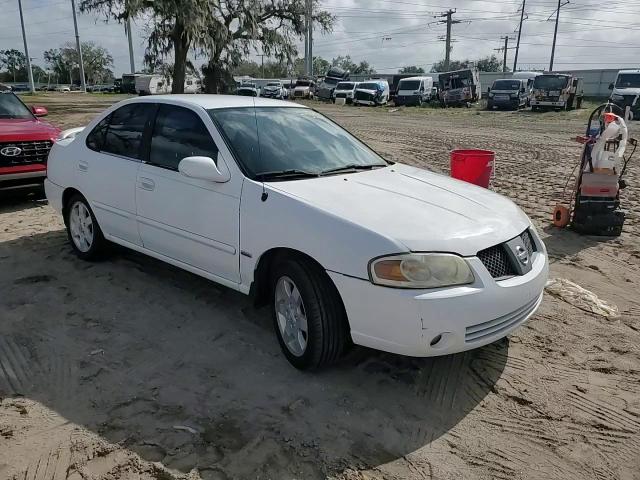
190, 220
109, 167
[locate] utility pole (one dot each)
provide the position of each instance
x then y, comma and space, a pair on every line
555, 33
26, 50
127, 27
262, 63
80, 62
504, 49
515, 60
310, 37
306, 37
449, 21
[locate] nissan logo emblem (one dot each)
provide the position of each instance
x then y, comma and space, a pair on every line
11, 151
522, 254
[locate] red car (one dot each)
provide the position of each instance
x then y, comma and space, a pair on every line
25, 141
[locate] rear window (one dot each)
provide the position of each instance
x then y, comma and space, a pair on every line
126, 126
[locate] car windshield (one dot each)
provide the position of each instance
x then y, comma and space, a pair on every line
628, 80
280, 139
248, 85
505, 85
369, 86
273, 84
345, 86
556, 82
409, 85
330, 81
302, 83
12, 107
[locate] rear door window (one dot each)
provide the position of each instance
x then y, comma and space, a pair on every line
126, 128
178, 133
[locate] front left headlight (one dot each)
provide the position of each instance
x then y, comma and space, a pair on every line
420, 270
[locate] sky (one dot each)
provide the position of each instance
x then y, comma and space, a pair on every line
389, 34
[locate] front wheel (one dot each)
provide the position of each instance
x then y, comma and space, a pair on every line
309, 318
84, 233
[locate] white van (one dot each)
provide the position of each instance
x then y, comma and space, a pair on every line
625, 91
345, 90
414, 91
372, 92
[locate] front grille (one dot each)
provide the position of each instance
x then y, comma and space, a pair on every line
341, 95
496, 260
298, 93
30, 152
364, 96
491, 328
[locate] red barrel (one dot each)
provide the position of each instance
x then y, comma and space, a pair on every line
473, 166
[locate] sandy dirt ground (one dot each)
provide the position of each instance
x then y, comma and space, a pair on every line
133, 369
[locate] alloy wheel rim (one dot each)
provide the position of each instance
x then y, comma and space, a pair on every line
291, 316
81, 227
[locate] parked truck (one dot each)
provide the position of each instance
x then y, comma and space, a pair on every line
460, 87
327, 85
560, 91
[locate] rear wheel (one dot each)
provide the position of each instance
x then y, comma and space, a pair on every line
84, 233
309, 318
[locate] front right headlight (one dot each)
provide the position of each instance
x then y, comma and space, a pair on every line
420, 270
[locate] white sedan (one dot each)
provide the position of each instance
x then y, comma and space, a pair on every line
275, 200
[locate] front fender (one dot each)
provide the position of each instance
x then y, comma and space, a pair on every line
283, 221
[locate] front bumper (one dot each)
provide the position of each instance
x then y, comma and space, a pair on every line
27, 176
407, 100
547, 103
407, 321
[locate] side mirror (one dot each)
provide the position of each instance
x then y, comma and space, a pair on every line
611, 86
522, 90
39, 111
488, 89
203, 168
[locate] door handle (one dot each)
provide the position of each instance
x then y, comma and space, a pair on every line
83, 166
147, 184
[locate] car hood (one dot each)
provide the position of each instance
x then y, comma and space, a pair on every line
301, 88
13, 130
372, 92
504, 92
421, 210
625, 91
270, 88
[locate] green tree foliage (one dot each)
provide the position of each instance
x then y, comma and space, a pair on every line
271, 27
485, 64
411, 69
63, 61
15, 64
256, 70
345, 63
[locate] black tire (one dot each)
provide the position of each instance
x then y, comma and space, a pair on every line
98, 245
534, 108
579, 103
420, 101
327, 326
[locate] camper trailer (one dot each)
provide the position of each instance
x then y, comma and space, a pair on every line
155, 84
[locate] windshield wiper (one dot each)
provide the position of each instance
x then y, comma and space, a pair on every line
288, 174
352, 167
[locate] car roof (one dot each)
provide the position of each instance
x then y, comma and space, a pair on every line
628, 71
416, 78
209, 101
